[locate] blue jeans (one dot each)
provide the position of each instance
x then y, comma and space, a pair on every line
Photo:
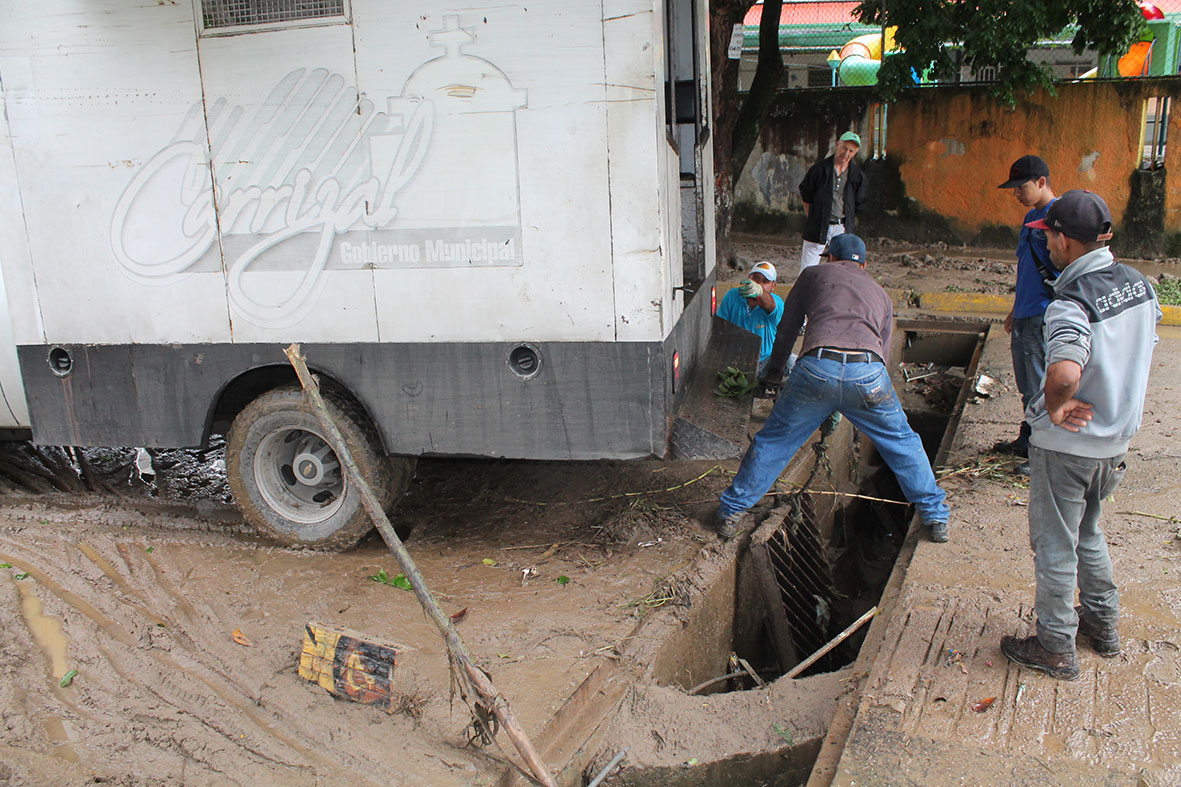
1028, 347
862, 392
1065, 501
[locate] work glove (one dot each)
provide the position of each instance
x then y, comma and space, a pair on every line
748, 289
770, 386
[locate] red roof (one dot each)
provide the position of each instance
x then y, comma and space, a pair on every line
818, 13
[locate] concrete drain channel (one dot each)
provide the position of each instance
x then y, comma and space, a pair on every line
698, 696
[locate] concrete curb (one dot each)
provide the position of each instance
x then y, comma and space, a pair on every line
957, 302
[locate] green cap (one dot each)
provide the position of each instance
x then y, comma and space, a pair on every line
849, 136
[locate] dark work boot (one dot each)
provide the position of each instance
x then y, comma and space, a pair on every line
1104, 638
729, 526
938, 531
1018, 447
1029, 652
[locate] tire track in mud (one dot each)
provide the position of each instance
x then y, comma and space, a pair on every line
138, 647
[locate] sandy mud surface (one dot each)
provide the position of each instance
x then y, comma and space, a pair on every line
136, 578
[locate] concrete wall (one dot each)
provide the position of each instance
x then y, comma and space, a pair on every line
948, 148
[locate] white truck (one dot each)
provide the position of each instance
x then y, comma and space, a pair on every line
490, 227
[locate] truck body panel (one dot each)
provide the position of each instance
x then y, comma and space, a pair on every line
412, 195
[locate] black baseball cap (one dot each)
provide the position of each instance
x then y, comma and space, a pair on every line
845, 247
1078, 214
1025, 169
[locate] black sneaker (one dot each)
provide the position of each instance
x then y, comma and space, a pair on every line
938, 531
1029, 652
1104, 638
729, 526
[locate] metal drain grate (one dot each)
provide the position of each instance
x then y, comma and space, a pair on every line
236, 13
797, 581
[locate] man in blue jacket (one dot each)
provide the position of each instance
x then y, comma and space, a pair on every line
1100, 334
1029, 178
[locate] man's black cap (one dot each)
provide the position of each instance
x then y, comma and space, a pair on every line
1078, 214
1025, 169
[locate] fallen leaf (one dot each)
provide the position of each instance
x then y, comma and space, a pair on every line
489, 561
402, 582
984, 704
149, 550
9, 565
241, 639
22, 575
459, 616
68, 678
563, 580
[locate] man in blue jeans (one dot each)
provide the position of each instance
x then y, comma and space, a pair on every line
1029, 178
840, 369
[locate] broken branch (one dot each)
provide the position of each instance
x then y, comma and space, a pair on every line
469, 675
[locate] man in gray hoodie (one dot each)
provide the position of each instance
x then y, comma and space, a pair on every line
1100, 331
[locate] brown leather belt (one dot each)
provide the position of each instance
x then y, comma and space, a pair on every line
843, 356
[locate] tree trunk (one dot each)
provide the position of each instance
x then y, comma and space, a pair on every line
736, 130
768, 77
723, 15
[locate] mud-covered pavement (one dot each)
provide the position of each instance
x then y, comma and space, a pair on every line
143, 605
138, 583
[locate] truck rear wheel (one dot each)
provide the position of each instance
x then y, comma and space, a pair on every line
289, 483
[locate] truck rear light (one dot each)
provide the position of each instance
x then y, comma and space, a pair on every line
713, 299
676, 370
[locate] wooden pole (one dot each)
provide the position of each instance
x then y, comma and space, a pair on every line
832, 643
470, 675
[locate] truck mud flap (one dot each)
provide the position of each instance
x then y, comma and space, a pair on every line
708, 426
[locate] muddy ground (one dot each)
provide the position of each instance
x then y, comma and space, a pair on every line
138, 581
903, 266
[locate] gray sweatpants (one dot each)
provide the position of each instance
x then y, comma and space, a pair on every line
1065, 502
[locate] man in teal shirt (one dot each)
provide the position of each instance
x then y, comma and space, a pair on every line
753, 305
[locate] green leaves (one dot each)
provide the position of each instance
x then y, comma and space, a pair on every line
400, 581
68, 678
563, 580
937, 37
733, 383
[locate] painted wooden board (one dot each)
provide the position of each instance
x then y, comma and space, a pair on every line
351, 665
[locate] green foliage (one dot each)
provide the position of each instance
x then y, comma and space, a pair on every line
937, 35
1168, 290
734, 383
400, 581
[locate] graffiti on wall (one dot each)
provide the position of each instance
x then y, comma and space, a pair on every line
316, 179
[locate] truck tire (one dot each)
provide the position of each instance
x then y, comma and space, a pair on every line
288, 482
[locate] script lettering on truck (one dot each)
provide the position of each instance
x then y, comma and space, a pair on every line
315, 180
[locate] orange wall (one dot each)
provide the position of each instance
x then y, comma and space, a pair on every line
955, 146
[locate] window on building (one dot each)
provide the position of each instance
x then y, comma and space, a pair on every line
1156, 128
820, 76
877, 120
226, 15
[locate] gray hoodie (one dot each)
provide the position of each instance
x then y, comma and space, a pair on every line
1103, 316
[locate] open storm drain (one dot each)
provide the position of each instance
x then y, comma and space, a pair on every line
813, 572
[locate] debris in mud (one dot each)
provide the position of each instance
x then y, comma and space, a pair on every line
194, 475
984, 704
351, 666
983, 385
